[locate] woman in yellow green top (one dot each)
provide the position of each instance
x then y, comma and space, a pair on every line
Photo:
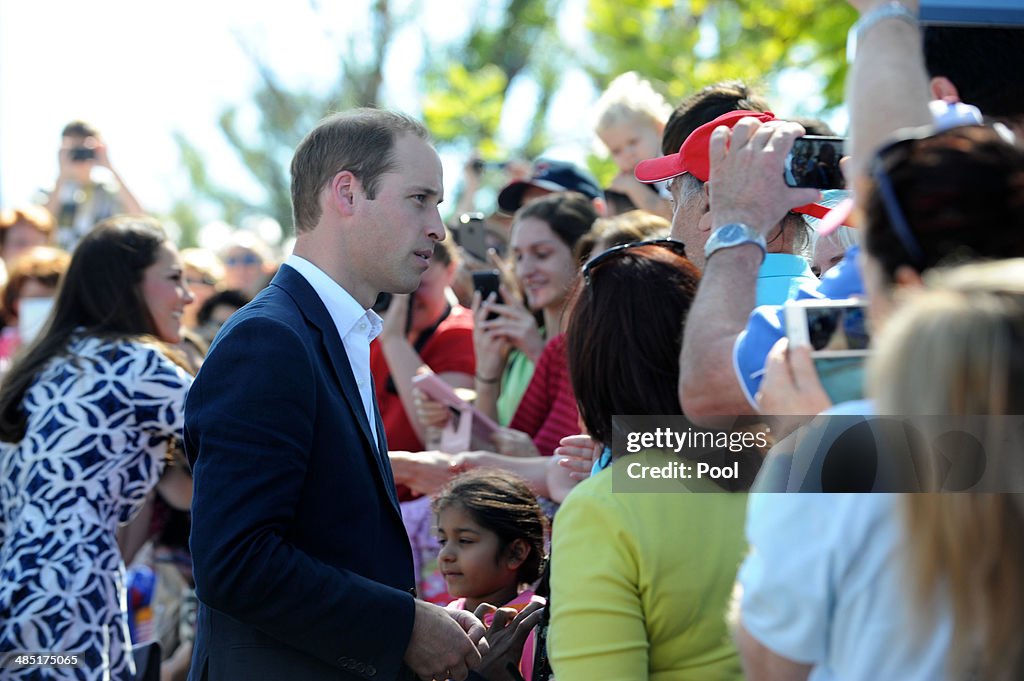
640, 582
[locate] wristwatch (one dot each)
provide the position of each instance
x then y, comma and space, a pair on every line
734, 234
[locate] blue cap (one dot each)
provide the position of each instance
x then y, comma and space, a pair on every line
554, 176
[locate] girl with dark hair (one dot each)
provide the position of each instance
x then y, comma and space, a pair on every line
491, 531
87, 416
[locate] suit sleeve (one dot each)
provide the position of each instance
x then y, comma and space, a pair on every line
249, 420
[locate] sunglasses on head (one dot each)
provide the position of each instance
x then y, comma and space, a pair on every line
894, 154
677, 247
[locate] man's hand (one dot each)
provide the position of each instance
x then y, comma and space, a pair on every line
423, 472
442, 647
746, 181
506, 636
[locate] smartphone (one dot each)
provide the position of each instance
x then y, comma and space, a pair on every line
471, 235
488, 282
82, 154
814, 162
972, 12
832, 328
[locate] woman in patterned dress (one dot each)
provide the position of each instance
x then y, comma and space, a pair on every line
86, 418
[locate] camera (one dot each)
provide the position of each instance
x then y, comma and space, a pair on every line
814, 162
83, 154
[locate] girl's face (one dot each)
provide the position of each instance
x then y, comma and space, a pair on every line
166, 294
631, 142
544, 263
471, 561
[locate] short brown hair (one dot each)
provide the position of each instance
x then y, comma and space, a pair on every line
360, 141
79, 128
704, 107
624, 334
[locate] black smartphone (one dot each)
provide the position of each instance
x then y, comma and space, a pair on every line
471, 235
814, 162
488, 282
82, 154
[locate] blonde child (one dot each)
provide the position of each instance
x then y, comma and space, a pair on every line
630, 118
491, 532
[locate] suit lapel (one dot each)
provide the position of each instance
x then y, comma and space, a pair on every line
313, 307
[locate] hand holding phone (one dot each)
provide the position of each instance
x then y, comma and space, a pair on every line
486, 283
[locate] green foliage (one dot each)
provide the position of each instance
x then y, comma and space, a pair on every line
688, 45
679, 45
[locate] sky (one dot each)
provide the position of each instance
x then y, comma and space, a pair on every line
141, 70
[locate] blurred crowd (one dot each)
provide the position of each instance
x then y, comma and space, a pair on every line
670, 291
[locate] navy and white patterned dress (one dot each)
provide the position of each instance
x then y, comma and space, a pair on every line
99, 424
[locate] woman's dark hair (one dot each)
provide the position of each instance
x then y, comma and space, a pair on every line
569, 214
624, 334
962, 195
100, 295
502, 503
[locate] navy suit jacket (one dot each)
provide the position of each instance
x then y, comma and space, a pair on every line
302, 564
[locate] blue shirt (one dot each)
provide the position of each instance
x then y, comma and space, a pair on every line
766, 325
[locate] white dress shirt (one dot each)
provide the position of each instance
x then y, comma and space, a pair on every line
356, 326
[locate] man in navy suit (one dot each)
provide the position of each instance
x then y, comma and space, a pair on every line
303, 569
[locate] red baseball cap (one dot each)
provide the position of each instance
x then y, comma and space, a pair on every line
693, 155
693, 158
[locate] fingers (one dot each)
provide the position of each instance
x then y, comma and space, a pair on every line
802, 368
581, 441
719, 145
502, 616
483, 610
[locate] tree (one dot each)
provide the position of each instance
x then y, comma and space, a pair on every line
682, 46
283, 116
688, 45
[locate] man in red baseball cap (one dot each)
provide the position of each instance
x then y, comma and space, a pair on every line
688, 171
726, 177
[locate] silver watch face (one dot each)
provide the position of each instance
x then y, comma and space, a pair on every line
731, 233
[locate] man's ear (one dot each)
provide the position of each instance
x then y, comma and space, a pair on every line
516, 553
704, 224
943, 88
342, 192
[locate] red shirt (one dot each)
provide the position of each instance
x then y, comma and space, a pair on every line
450, 348
547, 412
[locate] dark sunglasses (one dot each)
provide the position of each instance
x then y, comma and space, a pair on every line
677, 247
